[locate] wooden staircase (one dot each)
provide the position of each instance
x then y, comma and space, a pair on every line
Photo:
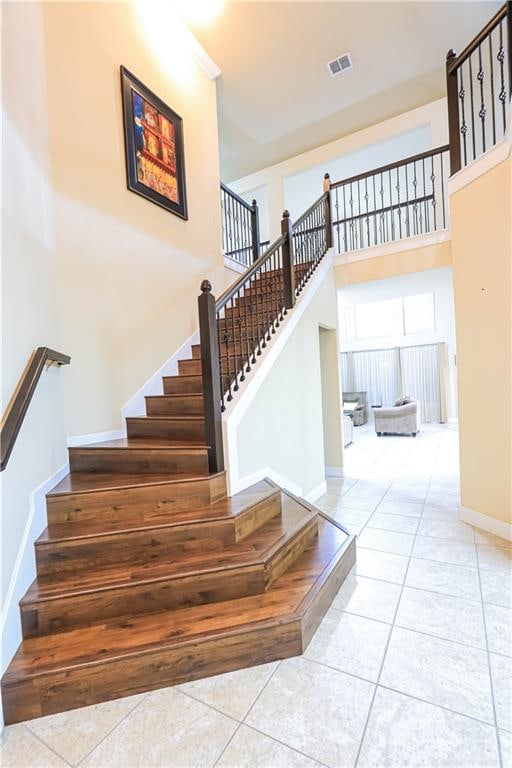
148, 575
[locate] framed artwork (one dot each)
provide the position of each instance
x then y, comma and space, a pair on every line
153, 136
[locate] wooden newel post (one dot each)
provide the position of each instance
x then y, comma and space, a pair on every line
328, 213
211, 377
452, 92
288, 270
255, 231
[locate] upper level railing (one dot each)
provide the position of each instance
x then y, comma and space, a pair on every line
392, 202
479, 82
240, 228
237, 327
18, 407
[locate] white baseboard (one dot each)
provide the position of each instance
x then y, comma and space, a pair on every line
136, 405
244, 482
24, 571
283, 482
333, 471
486, 523
315, 494
95, 437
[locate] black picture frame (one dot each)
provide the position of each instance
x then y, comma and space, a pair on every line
153, 138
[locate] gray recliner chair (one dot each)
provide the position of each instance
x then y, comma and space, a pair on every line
359, 414
398, 419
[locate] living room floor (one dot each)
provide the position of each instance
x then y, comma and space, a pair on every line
411, 666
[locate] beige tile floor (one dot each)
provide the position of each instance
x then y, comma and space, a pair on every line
411, 666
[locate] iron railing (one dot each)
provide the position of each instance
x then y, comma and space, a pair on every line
396, 201
238, 326
479, 82
240, 227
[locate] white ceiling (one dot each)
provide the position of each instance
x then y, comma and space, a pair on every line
276, 98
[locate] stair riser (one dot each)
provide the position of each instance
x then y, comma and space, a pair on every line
228, 362
139, 460
180, 385
177, 429
132, 548
189, 367
252, 519
105, 681
148, 546
145, 503
175, 406
291, 552
48, 616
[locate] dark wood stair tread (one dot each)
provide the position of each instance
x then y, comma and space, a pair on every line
137, 443
117, 638
89, 482
253, 551
220, 510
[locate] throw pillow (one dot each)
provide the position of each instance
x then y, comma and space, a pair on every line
403, 401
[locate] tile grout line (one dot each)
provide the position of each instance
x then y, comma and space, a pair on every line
363, 734
47, 746
144, 696
242, 721
487, 723
489, 666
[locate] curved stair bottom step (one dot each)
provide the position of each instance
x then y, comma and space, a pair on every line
98, 663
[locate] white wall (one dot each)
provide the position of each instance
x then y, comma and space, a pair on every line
301, 189
260, 194
276, 421
438, 281
430, 117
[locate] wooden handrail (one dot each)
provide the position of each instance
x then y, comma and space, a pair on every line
13, 419
303, 217
236, 197
456, 61
391, 166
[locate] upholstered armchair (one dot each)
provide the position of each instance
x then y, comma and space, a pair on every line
357, 409
398, 419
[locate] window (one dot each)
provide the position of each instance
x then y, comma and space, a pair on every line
419, 315
375, 318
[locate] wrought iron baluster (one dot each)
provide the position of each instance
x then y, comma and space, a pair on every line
503, 93
399, 209
391, 214
441, 158
491, 75
432, 179
351, 202
407, 208
236, 305
222, 393
480, 77
345, 220
337, 218
463, 126
367, 214
267, 295
374, 209
473, 136
425, 202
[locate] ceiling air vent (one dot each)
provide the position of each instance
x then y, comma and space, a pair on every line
339, 65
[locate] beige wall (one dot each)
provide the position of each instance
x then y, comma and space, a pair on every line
89, 268
482, 258
394, 263
129, 271
283, 428
29, 288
